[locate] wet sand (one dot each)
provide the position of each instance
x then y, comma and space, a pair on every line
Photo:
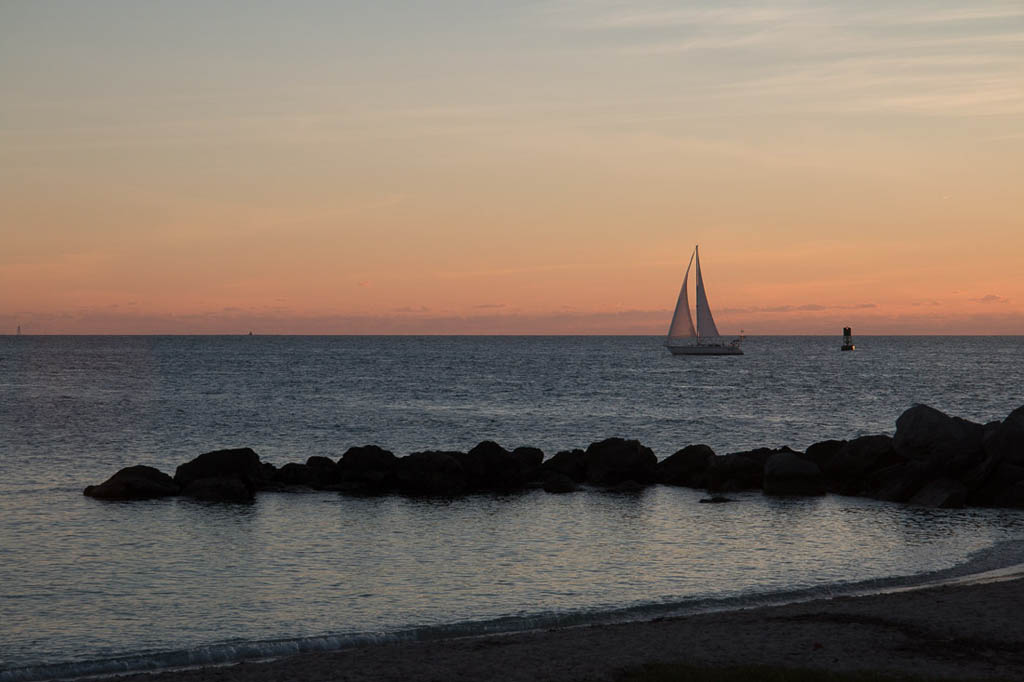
958, 631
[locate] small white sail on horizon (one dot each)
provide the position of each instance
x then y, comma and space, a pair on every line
683, 329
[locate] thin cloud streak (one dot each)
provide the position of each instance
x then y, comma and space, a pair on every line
844, 58
806, 307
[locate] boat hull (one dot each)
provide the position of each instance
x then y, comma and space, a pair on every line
705, 349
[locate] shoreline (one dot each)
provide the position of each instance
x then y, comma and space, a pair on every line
1002, 562
971, 627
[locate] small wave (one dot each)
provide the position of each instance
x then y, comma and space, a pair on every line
1002, 561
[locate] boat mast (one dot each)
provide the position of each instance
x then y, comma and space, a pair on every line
700, 288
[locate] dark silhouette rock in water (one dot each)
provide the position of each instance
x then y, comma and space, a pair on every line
950, 445
741, 470
293, 474
369, 469
995, 479
934, 460
571, 463
847, 469
735, 471
529, 460
431, 473
615, 460
219, 489
687, 467
786, 473
241, 463
1010, 496
714, 499
227, 475
134, 483
268, 477
992, 482
326, 467
559, 483
899, 482
820, 453
945, 493
488, 466
1005, 441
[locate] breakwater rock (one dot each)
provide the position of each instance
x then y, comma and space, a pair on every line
933, 459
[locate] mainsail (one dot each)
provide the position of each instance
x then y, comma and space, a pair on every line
686, 339
682, 321
705, 323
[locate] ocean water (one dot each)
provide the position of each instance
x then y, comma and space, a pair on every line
88, 586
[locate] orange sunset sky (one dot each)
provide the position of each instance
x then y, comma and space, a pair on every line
465, 166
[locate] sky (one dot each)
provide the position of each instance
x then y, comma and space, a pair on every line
467, 166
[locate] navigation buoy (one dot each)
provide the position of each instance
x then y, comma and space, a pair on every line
848, 339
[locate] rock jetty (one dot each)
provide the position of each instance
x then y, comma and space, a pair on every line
933, 460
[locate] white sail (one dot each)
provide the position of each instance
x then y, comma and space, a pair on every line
682, 322
682, 326
705, 323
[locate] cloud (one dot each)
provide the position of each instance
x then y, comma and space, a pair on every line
411, 309
363, 283
991, 298
806, 307
838, 57
489, 305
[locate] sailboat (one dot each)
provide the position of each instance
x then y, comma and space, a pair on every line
684, 338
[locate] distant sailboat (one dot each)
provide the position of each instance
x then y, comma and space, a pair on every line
686, 339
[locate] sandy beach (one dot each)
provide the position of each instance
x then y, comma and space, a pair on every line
959, 631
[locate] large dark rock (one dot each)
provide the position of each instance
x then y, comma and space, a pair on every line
240, 463
268, 477
741, 470
820, 453
951, 445
687, 467
761, 455
325, 473
847, 469
786, 473
899, 482
134, 483
488, 466
945, 493
530, 460
293, 473
571, 463
219, 489
1005, 441
431, 473
988, 482
369, 468
614, 460
735, 472
1011, 496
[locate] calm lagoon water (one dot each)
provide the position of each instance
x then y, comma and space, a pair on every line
87, 586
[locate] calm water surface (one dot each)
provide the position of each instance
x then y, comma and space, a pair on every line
88, 586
